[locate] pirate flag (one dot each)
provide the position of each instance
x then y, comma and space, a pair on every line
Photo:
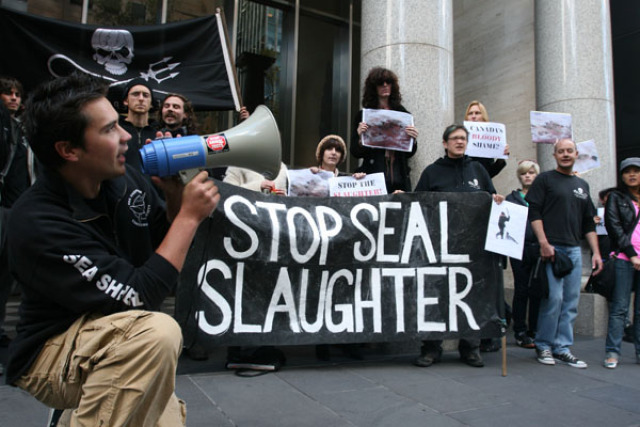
188, 57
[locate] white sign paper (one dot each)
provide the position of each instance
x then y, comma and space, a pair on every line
588, 158
386, 129
347, 186
486, 139
547, 128
303, 182
505, 232
600, 228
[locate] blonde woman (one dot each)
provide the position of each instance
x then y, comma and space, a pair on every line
527, 172
476, 112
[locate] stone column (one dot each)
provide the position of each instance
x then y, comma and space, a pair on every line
414, 38
574, 75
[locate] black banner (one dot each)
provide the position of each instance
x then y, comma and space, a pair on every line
268, 269
186, 57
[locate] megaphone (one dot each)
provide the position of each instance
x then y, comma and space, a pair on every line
253, 144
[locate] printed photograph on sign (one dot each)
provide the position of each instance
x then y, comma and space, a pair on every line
486, 139
588, 158
303, 182
505, 233
547, 128
386, 129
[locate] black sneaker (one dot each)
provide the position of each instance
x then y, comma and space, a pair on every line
472, 359
545, 357
426, 360
570, 360
489, 345
525, 341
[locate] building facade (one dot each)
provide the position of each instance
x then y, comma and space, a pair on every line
306, 60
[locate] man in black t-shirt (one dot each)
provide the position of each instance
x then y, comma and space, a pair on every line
561, 214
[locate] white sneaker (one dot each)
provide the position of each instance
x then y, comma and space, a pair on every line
545, 357
570, 360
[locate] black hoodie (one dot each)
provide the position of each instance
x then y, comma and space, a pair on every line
455, 175
73, 256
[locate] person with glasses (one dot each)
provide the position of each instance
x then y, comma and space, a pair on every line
382, 92
455, 172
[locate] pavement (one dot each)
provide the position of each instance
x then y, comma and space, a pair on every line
385, 389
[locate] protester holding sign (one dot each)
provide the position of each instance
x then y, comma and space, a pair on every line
455, 172
476, 112
330, 152
523, 295
621, 221
381, 91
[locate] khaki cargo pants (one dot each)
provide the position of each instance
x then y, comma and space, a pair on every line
115, 370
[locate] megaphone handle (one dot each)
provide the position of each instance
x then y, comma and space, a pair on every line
188, 174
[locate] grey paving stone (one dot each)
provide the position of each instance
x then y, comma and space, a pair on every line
625, 398
17, 408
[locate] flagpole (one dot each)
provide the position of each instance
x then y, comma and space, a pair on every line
85, 10
231, 66
163, 14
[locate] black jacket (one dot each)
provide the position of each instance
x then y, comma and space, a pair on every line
374, 160
514, 197
73, 256
620, 219
453, 175
138, 138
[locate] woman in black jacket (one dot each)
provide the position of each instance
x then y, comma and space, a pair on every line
621, 221
382, 92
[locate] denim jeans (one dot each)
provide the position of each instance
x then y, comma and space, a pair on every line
627, 280
558, 312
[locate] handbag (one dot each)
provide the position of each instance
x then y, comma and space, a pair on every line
604, 282
562, 264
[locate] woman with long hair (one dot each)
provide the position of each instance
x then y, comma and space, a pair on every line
621, 221
382, 92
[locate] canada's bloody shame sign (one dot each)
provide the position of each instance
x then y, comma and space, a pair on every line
269, 269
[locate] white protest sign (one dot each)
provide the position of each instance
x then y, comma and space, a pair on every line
507, 225
486, 139
588, 158
547, 127
387, 129
347, 186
